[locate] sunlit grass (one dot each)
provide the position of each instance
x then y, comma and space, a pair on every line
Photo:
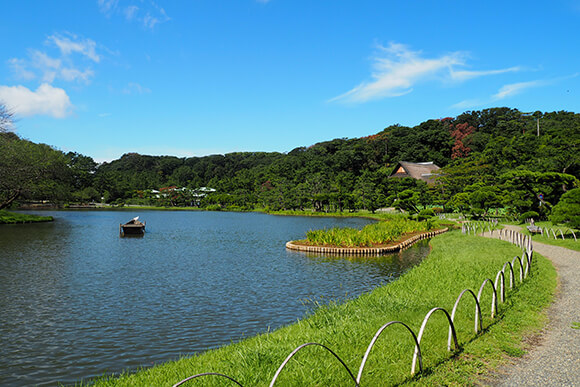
7, 217
371, 235
568, 242
456, 262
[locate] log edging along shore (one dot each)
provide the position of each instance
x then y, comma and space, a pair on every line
294, 245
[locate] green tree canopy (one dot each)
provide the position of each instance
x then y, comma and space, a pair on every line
568, 209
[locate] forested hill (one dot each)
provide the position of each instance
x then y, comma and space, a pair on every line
502, 137
494, 153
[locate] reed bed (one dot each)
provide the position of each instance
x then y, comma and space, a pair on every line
380, 233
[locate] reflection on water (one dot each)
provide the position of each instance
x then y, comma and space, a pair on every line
77, 301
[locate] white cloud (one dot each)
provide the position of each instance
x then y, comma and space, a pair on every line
72, 74
19, 68
107, 6
131, 11
463, 75
396, 69
47, 66
149, 16
67, 46
508, 91
66, 66
45, 100
516, 88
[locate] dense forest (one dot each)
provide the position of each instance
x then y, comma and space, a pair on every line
492, 159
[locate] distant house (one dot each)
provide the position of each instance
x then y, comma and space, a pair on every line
426, 171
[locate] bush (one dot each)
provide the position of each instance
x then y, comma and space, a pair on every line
425, 214
528, 215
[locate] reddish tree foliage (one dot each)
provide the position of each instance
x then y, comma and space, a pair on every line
459, 132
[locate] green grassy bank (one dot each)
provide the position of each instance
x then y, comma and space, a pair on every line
456, 262
7, 217
568, 242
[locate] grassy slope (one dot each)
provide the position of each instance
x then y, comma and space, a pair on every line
15, 217
456, 262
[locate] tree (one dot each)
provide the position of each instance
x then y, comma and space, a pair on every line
408, 200
568, 209
6, 119
483, 197
33, 171
535, 191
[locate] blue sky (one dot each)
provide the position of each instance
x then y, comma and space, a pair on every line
199, 77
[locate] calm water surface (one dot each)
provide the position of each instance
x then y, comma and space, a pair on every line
77, 301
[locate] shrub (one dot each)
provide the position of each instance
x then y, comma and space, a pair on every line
425, 214
528, 215
568, 209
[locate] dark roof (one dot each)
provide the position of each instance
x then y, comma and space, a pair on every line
421, 171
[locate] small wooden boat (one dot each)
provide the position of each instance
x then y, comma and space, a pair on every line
132, 227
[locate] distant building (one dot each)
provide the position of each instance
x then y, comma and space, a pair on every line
426, 171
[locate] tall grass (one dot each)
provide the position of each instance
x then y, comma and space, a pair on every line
7, 217
455, 263
373, 234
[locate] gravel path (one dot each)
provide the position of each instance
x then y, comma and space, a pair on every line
555, 359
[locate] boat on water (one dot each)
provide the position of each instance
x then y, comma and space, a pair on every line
132, 227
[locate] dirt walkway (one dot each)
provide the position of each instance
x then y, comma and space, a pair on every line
555, 359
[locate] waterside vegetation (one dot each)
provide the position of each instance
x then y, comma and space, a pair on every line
372, 235
7, 217
456, 262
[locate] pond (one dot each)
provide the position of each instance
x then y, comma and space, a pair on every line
78, 301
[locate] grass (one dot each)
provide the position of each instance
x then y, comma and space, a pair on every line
7, 217
371, 235
456, 262
568, 242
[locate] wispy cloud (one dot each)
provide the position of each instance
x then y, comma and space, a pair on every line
148, 14
510, 90
464, 75
107, 6
135, 88
74, 44
20, 69
397, 69
517, 88
65, 65
45, 100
